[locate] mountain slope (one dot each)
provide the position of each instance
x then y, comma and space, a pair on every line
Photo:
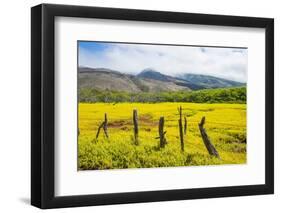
207, 81
155, 75
106, 79
152, 74
148, 80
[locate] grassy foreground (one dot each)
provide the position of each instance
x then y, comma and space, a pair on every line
225, 125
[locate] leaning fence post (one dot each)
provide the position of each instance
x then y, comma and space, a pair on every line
162, 138
180, 129
211, 149
136, 127
105, 125
98, 132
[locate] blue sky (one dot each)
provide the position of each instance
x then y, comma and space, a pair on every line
93, 47
229, 63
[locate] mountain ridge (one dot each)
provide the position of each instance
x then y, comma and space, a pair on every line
148, 80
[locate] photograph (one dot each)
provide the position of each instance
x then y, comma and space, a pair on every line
160, 105
141, 105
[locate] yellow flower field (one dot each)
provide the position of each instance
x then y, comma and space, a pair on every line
225, 126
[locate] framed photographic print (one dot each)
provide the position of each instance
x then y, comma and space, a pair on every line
139, 106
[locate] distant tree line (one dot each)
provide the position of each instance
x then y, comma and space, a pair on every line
222, 95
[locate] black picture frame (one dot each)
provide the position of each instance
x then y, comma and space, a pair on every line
43, 102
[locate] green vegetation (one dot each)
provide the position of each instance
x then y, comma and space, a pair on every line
223, 95
225, 125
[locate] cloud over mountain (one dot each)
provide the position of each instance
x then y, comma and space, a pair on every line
228, 63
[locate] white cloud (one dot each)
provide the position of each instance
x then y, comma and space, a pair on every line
228, 63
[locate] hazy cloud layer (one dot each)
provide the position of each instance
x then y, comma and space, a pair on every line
229, 63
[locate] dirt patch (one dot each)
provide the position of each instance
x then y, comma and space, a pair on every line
119, 123
125, 128
206, 110
144, 120
145, 117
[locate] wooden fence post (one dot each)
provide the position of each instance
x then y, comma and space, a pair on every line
211, 149
98, 132
181, 129
136, 127
162, 138
104, 126
185, 125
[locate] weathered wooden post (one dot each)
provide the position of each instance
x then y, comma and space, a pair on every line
98, 132
185, 125
162, 138
136, 127
211, 149
105, 125
181, 129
